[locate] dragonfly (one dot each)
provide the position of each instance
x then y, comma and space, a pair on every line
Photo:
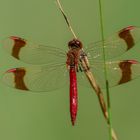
57, 67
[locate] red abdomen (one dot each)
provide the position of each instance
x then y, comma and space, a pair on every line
73, 94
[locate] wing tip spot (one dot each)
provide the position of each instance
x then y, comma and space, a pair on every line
131, 27
11, 70
14, 37
133, 61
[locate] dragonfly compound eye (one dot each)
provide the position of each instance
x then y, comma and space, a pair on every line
75, 43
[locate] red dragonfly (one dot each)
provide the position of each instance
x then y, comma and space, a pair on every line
79, 63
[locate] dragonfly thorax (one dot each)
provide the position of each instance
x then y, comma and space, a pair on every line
75, 44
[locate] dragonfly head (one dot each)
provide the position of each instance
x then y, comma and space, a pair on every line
75, 44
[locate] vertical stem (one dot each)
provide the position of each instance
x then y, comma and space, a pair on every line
105, 73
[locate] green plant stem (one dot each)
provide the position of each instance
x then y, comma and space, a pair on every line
105, 73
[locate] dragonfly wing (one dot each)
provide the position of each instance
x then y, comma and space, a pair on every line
36, 79
115, 45
118, 72
29, 52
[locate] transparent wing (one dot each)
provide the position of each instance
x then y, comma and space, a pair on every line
115, 45
118, 72
29, 52
37, 79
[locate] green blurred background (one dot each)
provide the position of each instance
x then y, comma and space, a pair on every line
27, 116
